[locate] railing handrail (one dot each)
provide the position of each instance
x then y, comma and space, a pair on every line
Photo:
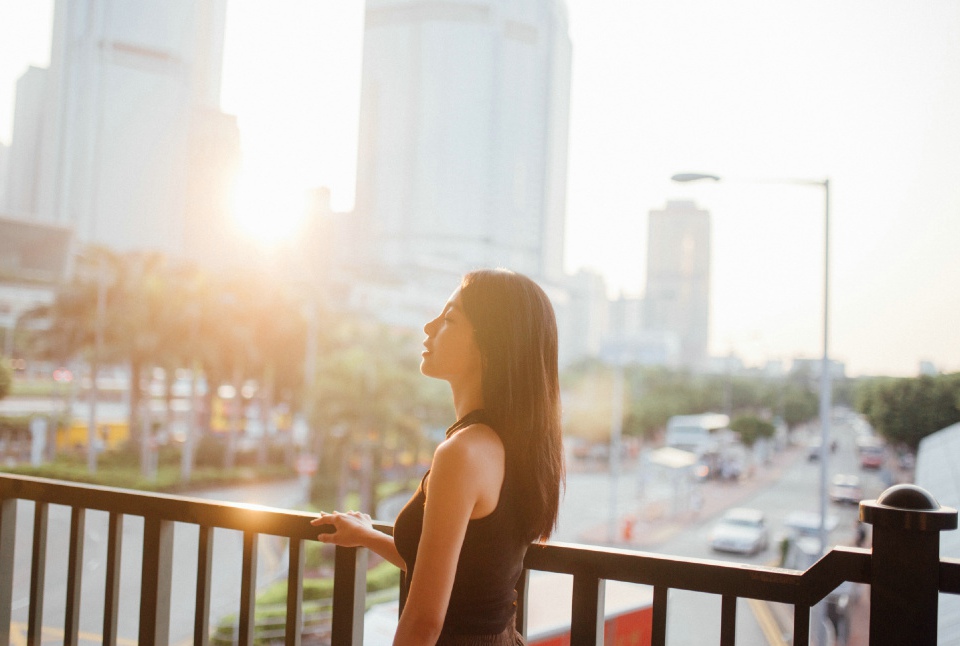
590, 566
706, 575
179, 509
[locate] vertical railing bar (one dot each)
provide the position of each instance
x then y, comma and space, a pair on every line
8, 536
658, 635
248, 588
201, 616
587, 611
523, 597
38, 571
801, 625
111, 594
71, 619
728, 620
295, 592
349, 595
155, 578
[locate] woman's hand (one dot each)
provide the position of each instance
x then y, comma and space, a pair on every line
354, 529
351, 528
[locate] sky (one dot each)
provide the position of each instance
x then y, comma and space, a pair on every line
863, 92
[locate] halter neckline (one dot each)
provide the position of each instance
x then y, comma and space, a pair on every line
472, 417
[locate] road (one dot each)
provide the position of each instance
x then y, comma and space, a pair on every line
790, 483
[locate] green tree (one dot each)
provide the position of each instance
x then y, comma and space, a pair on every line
368, 395
6, 377
751, 429
904, 411
798, 404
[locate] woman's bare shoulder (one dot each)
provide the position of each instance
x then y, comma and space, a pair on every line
472, 447
474, 438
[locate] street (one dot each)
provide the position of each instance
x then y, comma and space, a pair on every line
790, 483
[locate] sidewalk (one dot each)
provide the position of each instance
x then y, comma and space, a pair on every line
653, 525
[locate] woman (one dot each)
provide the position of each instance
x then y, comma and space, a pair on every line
494, 483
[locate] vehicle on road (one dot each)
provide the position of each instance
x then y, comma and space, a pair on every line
696, 433
813, 449
807, 523
741, 530
846, 489
872, 456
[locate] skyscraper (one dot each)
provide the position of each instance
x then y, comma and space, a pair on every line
463, 134
104, 140
678, 278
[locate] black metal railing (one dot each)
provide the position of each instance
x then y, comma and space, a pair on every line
904, 569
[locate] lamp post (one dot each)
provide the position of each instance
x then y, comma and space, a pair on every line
825, 376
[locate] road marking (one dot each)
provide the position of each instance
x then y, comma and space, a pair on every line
769, 626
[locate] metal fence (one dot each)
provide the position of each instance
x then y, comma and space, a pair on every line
903, 569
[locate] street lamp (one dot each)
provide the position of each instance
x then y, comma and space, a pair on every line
825, 376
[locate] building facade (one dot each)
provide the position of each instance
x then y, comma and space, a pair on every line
678, 278
104, 140
463, 135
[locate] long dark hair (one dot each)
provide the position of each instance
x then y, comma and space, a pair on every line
516, 331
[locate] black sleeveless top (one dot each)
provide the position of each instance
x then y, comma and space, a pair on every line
483, 598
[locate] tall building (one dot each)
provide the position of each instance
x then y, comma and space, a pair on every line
463, 134
105, 139
678, 278
23, 170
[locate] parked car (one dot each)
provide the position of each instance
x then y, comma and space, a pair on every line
807, 523
846, 489
741, 530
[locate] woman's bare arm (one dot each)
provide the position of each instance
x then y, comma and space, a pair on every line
464, 482
354, 529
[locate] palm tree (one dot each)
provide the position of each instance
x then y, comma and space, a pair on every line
281, 334
368, 393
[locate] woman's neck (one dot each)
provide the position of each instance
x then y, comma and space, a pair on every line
466, 398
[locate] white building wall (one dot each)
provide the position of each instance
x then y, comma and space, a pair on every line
936, 472
125, 77
462, 156
23, 163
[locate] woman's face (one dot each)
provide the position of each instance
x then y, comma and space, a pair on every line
450, 349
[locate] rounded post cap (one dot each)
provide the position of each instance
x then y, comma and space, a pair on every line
907, 506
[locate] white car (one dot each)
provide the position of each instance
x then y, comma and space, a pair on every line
846, 489
807, 523
741, 530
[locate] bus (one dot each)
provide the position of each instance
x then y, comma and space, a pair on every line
695, 433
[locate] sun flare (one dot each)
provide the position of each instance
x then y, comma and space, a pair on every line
268, 209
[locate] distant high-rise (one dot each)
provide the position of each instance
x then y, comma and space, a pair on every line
678, 278
106, 139
463, 134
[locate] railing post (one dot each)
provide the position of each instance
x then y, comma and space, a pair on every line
349, 595
155, 578
905, 564
8, 536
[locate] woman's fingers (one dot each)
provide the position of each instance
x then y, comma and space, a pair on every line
324, 519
